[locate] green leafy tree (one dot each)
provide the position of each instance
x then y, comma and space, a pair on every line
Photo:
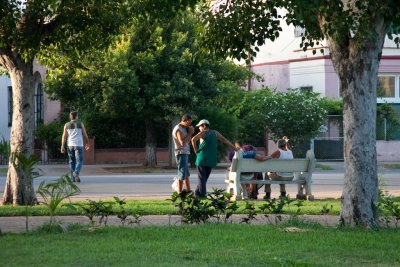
149, 75
28, 28
355, 32
297, 114
50, 29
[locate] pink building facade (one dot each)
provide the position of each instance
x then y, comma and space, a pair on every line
283, 65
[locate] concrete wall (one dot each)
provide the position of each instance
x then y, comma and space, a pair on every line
388, 151
126, 155
275, 76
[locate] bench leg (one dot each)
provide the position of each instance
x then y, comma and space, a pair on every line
308, 190
300, 192
234, 191
244, 191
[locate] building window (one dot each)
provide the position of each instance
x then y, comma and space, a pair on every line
306, 88
10, 106
39, 113
299, 31
386, 86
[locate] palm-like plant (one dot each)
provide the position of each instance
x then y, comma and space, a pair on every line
53, 193
27, 166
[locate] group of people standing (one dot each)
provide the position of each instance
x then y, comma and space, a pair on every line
206, 152
204, 146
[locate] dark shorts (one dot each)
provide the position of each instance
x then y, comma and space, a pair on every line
182, 161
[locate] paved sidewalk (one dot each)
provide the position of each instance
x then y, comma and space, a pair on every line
18, 224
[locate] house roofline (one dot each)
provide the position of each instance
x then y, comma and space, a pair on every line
285, 62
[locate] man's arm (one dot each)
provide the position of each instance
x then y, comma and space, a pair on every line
221, 138
195, 139
186, 140
63, 139
87, 146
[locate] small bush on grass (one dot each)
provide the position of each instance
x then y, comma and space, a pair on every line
27, 166
104, 209
196, 210
53, 193
390, 210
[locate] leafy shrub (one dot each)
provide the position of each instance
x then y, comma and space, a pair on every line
53, 193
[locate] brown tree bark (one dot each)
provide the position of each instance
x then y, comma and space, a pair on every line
19, 186
357, 65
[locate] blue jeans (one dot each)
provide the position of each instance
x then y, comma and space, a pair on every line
182, 161
75, 155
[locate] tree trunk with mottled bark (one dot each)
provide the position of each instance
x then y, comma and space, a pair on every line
19, 186
357, 65
151, 144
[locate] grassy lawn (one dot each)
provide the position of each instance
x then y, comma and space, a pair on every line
203, 245
164, 207
323, 167
390, 165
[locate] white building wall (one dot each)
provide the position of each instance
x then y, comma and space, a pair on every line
308, 73
51, 108
4, 129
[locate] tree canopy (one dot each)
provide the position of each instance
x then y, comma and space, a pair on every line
354, 32
149, 75
51, 29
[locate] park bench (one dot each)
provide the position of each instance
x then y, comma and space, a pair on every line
241, 173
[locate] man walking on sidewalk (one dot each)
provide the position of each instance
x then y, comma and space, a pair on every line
75, 130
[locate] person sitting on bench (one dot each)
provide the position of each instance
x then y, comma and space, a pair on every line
282, 153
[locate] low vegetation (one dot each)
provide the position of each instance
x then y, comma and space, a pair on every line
323, 167
164, 207
390, 165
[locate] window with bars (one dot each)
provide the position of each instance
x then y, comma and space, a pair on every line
39, 112
386, 86
10, 106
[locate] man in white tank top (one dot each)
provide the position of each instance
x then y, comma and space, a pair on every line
75, 131
283, 152
182, 134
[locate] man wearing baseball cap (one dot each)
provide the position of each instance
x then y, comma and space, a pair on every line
206, 153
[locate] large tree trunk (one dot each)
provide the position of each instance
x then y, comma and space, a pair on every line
19, 186
357, 66
151, 144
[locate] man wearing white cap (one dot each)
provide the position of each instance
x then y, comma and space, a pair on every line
206, 153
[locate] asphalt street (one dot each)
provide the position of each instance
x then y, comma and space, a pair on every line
105, 182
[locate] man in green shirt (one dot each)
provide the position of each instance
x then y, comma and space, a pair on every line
206, 153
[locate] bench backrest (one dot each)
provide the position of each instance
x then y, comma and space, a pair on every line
272, 165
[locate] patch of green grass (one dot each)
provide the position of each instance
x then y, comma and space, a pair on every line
165, 207
3, 171
323, 167
390, 165
204, 245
